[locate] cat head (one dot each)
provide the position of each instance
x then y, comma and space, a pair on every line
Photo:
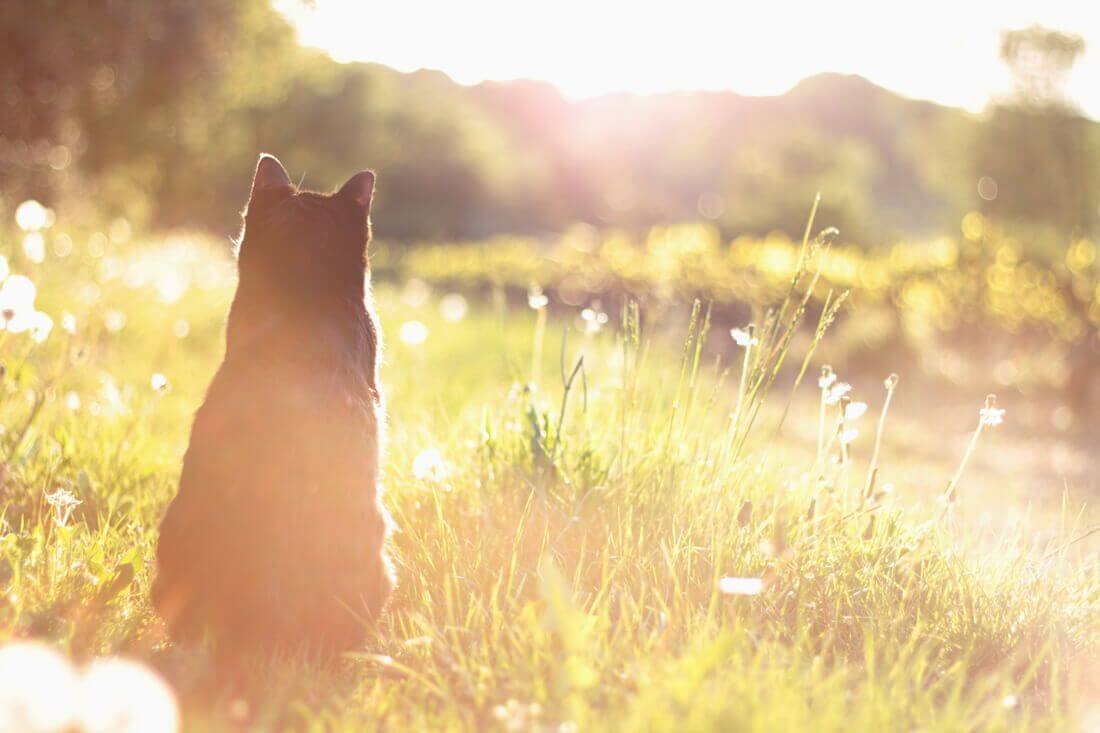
302, 244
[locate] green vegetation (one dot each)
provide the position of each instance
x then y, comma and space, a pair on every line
100, 119
911, 298
562, 549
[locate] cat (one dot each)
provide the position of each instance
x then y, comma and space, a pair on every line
277, 534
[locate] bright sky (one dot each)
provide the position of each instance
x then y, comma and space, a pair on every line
944, 50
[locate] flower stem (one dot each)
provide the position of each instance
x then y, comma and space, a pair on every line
953, 484
872, 471
741, 389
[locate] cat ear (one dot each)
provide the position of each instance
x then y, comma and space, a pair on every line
269, 174
360, 189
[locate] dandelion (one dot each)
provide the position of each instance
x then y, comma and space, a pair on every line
827, 378
159, 382
743, 337
741, 586
72, 401
989, 415
68, 323
63, 502
413, 333
536, 299
453, 307
429, 465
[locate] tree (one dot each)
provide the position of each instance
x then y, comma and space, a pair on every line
1035, 158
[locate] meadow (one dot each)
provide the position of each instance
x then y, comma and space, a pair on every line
613, 516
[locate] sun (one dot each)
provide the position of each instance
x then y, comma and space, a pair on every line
947, 52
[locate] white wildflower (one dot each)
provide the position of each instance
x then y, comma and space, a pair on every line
63, 502
837, 390
991, 416
536, 299
743, 337
855, 410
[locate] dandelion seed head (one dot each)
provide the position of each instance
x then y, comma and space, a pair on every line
891, 382
159, 382
827, 378
68, 323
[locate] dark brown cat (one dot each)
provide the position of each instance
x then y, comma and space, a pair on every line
278, 533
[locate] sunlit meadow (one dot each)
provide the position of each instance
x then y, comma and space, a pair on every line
616, 514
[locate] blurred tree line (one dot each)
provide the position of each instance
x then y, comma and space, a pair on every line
156, 110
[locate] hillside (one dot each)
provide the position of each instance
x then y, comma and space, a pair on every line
657, 157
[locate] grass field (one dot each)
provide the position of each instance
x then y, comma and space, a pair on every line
616, 551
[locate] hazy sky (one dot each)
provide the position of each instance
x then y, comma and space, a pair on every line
945, 50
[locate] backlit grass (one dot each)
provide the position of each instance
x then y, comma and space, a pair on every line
560, 550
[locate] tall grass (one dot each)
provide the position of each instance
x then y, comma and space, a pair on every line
561, 566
